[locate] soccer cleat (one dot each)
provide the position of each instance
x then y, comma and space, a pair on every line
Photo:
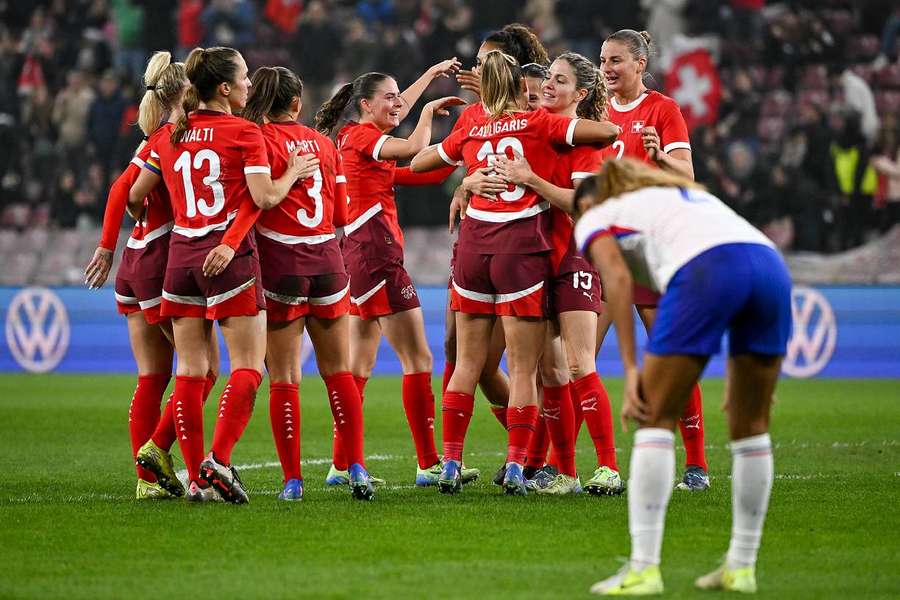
541, 479
293, 490
431, 475
742, 579
151, 491
224, 478
628, 582
336, 477
450, 480
159, 462
530, 472
695, 480
500, 475
514, 481
202, 492
562, 485
605, 482
361, 483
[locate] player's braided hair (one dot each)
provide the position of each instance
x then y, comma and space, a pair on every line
164, 81
501, 83
363, 86
206, 68
589, 78
272, 91
520, 42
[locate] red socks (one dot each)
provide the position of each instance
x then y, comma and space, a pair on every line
559, 416
538, 444
418, 402
284, 413
188, 400
449, 367
499, 413
235, 408
164, 436
521, 424
338, 453
597, 413
346, 409
143, 414
456, 410
691, 425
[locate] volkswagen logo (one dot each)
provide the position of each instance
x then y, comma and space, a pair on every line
814, 336
37, 329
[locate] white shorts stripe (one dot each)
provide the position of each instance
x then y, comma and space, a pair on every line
192, 232
293, 239
476, 296
284, 298
361, 219
362, 299
505, 217
125, 299
145, 304
193, 300
676, 146
496, 298
331, 299
220, 298
149, 237
520, 294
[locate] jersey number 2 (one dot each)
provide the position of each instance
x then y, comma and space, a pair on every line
619, 147
183, 165
486, 152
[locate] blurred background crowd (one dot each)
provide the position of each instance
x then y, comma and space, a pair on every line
804, 142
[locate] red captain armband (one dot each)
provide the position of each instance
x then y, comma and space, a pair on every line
404, 176
246, 217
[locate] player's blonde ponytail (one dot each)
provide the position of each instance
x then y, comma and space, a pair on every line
617, 177
164, 81
501, 84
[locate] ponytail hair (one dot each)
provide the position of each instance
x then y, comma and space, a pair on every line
588, 77
501, 83
617, 177
331, 112
205, 68
271, 93
164, 81
520, 42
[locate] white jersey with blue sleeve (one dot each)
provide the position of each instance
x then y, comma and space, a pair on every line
660, 229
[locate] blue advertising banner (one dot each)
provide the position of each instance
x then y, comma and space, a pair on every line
838, 332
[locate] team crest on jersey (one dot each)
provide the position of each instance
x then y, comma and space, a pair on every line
637, 126
408, 293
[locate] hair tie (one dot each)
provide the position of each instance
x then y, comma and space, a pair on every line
151, 88
146, 138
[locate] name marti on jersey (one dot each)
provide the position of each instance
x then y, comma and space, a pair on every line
496, 127
198, 134
306, 146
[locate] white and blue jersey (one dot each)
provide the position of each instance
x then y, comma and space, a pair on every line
716, 272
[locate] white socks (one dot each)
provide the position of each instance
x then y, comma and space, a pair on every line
649, 489
751, 484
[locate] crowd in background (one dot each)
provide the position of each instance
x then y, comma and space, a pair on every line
806, 144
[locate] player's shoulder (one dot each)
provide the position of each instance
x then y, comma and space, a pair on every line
661, 101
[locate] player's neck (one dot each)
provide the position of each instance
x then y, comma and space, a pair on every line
368, 119
629, 96
217, 106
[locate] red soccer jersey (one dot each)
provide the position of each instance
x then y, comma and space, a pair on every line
205, 172
651, 109
370, 180
573, 165
507, 225
312, 208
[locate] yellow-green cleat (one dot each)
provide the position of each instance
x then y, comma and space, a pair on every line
628, 582
604, 482
159, 462
151, 491
742, 579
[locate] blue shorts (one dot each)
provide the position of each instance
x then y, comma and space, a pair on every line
744, 289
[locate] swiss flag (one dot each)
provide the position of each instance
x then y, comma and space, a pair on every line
692, 81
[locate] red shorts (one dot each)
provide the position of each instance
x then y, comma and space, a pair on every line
187, 292
139, 280
501, 284
642, 296
303, 279
379, 284
576, 287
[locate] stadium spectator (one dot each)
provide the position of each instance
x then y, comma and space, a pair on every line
316, 68
887, 164
70, 114
104, 119
228, 23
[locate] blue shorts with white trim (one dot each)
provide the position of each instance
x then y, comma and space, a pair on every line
741, 289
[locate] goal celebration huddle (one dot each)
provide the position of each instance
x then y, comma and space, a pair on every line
578, 208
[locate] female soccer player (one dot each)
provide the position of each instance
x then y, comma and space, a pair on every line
304, 281
502, 262
575, 88
382, 294
716, 273
217, 173
653, 130
139, 287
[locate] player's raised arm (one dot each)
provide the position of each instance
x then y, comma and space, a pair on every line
411, 95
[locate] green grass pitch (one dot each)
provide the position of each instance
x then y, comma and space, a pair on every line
69, 525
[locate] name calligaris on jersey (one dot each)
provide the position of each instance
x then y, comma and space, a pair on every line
198, 134
306, 146
496, 127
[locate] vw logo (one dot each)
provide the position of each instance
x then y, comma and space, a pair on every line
37, 329
814, 336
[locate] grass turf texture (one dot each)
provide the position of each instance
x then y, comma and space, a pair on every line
69, 524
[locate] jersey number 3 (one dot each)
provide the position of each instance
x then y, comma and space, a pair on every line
315, 192
183, 165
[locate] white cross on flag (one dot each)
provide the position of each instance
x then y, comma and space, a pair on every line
692, 81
